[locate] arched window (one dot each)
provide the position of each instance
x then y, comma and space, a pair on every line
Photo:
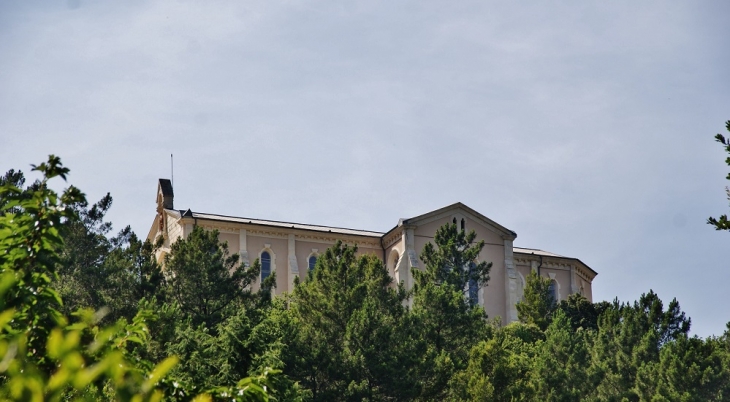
265, 265
553, 291
463, 224
520, 287
473, 286
312, 261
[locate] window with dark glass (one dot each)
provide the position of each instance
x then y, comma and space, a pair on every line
312, 262
463, 224
265, 265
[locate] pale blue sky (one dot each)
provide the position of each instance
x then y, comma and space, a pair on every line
586, 127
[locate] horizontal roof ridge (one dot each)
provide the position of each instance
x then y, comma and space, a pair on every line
307, 226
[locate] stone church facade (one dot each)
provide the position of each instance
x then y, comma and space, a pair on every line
290, 249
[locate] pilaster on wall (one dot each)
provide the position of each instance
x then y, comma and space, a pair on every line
510, 283
293, 266
411, 258
242, 248
574, 288
408, 261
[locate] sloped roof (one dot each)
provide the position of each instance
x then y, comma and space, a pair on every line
166, 186
264, 222
536, 252
457, 206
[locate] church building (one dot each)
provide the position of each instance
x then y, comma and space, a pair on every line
291, 249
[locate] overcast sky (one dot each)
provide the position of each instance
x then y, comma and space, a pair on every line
585, 127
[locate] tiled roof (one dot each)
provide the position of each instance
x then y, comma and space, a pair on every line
317, 228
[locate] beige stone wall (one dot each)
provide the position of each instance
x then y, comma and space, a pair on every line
232, 240
492, 297
561, 269
174, 229
393, 254
304, 250
407, 240
494, 294
278, 250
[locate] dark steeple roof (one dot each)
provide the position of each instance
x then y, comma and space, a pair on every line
166, 186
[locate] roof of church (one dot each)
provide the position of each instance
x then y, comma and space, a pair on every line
166, 186
536, 252
542, 253
303, 226
459, 205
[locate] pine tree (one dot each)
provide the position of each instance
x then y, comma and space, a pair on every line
205, 279
722, 223
448, 324
350, 340
538, 302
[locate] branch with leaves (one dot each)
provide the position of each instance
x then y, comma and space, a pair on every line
722, 223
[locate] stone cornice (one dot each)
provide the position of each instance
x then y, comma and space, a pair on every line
393, 237
283, 233
547, 262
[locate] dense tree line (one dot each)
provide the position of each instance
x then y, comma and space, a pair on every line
79, 302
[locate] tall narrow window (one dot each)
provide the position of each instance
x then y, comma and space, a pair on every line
473, 286
265, 265
454, 220
312, 262
463, 224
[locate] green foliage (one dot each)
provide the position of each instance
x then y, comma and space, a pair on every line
29, 238
562, 364
447, 325
97, 271
349, 342
346, 332
722, 223
499, 368
689, 369
581, 312
453, 259
45, 358
206, 280
631, 336
538, 302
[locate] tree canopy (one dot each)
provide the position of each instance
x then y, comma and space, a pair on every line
89, 315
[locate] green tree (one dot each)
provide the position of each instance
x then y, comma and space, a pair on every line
98, 271
453, 260
205, 279
538, 302
499, 368
132, 274
722, 223
630, 336
448, 325
562, 365
350, 334
689, 369
581, 312
42, 356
